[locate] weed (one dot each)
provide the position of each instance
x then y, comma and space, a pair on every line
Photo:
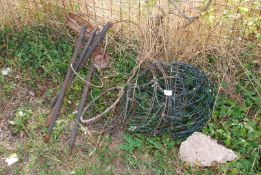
238, 127
36, 53
131, 144
19, 122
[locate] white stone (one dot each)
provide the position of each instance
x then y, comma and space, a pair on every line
12, 159
6, 71
201, 150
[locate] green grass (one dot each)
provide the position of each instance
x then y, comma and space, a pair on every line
37, 53
40, 56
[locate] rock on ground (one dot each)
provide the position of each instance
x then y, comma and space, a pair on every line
201, 150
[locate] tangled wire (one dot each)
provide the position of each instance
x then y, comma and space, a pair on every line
172, 98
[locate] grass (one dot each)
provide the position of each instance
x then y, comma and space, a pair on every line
39, 58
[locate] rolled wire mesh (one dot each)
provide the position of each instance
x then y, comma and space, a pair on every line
172, 98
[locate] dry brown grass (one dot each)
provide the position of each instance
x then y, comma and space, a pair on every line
161, 29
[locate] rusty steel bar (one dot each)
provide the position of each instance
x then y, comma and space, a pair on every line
56, 110
81, 107
78, 64
97, 41
93, 44
84, 53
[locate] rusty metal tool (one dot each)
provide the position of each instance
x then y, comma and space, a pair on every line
87, 84
92, 45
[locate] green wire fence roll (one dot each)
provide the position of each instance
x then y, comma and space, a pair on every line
172, 98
